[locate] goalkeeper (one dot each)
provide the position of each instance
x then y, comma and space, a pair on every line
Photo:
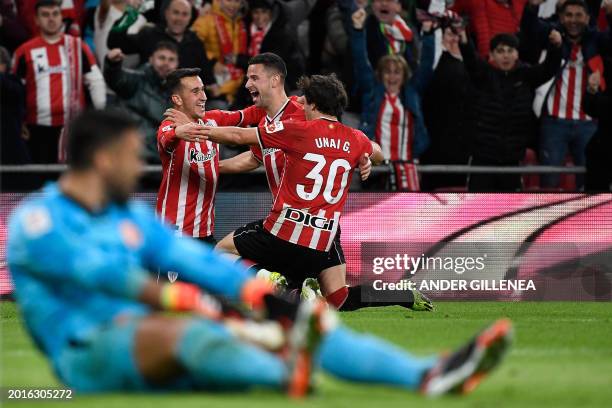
81, 254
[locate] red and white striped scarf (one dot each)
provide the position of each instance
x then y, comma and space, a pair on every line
72, 47
257, 37
398, 34
226, 43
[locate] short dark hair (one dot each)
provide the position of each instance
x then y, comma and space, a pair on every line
166, 45
507, 39
92, 130
272, 62
579, 3
326, 92
173, 81
46, 3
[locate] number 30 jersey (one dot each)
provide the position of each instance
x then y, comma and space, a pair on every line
320, 157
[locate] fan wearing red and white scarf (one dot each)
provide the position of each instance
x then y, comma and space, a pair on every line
398, 34
257, 37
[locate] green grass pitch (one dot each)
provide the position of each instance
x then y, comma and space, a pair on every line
562, 357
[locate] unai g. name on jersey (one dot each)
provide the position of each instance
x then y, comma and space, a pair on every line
186, 196
320, 157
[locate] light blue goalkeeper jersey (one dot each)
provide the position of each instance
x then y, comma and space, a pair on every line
75, 271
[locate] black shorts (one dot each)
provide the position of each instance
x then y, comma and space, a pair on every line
295, 262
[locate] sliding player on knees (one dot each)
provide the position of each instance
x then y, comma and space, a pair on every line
81, 255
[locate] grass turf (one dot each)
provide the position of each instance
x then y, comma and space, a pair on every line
562, 357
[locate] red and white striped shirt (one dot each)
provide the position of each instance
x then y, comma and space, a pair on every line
54, 75
273, 159
394, 129
565, 99
320, 157
186, 196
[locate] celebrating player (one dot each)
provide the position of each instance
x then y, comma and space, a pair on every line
190, 165
266, 83
80, 256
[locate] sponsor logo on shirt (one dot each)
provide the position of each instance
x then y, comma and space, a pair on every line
302, 217
196, 156
270, 150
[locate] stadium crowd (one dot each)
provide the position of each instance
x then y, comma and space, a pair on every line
495, 83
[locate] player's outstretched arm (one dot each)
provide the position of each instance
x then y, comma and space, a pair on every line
231, 135
242, 163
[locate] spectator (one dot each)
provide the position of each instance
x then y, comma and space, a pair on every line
55, 66
387, 33
12, 32
598, 104
224, 35
392, 107
490, 17
565, 125
503, 119
12, 111
72, 15
103, 19
447, 111
177, 16
141, 92
269, 31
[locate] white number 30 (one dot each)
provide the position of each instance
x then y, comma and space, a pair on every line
315, 174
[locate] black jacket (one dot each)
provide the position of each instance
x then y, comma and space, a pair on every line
446, 112
141, 93
192, 53
503, 121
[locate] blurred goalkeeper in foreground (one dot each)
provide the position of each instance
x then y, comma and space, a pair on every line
81, 256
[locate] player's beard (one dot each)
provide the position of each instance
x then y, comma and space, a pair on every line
119, 194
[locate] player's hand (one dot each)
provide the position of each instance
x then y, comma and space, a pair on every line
359, 18
191, 132
555, 38
115, 55
594, 82
365, 167
176, 116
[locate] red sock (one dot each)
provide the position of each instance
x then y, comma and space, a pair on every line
338, 297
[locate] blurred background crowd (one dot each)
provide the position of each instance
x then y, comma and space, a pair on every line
495, 83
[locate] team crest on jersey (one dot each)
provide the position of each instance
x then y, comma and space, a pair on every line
274, 127
37, 222
196, 156
167, 128
305, 218
130, 234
